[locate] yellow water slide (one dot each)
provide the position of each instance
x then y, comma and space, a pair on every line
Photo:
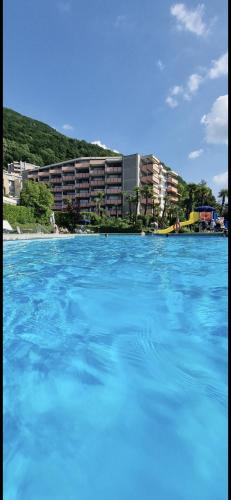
193, 217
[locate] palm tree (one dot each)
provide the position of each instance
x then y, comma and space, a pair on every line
173, 212
166, 207
99, 200
204, 193
190, 199
115, 207
223, 194
137, 192
147, 192
130, 199
155, 208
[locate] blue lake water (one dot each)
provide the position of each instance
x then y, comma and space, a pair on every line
115, 369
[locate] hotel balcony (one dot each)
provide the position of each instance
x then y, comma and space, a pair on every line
96, 192
155, 179
82, 185
82, 195
68, 187
95, 203
55, 171
68, 178
57, 189
146, 168
43, 173
69, 168
113, 190
98, 182
97, 162
56, 180
156, 190
85, 203
147, 179
82, 165
113, 202
150, 201
174, 199
66, 196
114, 180
97, 172
113, 170
156, 169
172, 180
82, 175
172, 190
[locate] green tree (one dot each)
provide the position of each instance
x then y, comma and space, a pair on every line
73, 211
35, 142
99, 201
39, 197
167, 203
147, 192
137, 194
155, 208
223, 194
131, 198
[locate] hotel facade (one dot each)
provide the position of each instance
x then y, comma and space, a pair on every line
83, 179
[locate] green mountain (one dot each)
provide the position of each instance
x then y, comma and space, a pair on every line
30, 140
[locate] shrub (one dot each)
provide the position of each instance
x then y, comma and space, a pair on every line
185, 230
18, 214
63, 219
39, 197
92, 216
116, 229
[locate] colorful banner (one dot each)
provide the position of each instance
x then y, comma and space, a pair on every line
206, 216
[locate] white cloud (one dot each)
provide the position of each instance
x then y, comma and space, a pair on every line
193, 83
64, 6
160, 65
67, 126
216, 122
99, 143
219, 67
195, 154
172, 103
221, 179
189, 19
174, 91
178, 89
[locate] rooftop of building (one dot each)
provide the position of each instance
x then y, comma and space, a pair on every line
82, 158
12, 174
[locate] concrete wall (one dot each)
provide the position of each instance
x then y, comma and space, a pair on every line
12, 184
130, 176
10, 201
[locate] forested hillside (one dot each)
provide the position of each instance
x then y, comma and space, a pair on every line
30, 140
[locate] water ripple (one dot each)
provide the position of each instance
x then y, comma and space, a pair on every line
115, 369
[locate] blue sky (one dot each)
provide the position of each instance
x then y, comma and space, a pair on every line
138, 76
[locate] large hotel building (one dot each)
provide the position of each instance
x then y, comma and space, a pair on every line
83, 179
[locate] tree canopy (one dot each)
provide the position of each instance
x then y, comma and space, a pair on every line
38, 196
35, 142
